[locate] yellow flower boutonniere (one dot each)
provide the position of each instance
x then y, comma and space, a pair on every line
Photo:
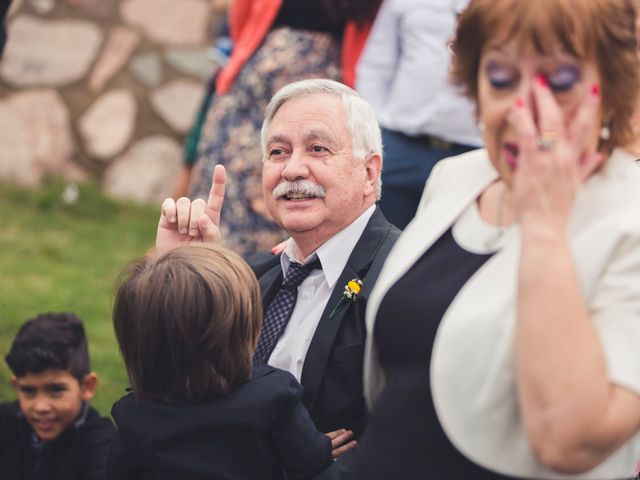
351, 292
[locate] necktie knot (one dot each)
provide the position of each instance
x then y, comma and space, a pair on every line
297, 273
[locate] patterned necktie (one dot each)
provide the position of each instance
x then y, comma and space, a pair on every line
281, 307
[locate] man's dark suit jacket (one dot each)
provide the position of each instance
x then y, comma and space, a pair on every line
332, 371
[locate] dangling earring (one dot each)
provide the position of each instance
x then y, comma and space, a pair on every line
605, 133
481, 127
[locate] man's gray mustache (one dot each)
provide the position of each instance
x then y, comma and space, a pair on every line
302, 187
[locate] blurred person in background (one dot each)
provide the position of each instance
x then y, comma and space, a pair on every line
276, 42
4, 8
503, 330
633, 147
403, 73
219, 54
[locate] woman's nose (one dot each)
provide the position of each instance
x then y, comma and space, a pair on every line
525, 93
525, 88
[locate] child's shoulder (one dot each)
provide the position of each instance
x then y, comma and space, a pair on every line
271, 386
10, 409
93, 437
275, 378
10, 415
96, 423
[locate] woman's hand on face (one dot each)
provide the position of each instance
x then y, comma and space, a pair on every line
554, 157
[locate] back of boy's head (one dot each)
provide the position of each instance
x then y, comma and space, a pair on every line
187, 323
50, 341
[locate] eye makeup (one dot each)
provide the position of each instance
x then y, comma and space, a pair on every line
499, 75
564, 77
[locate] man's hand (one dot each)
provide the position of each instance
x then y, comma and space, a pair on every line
340, 442
183, 222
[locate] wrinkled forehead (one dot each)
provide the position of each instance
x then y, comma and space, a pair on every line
316, 114
543, 27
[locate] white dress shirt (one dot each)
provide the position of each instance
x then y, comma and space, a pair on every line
403, 71
313, 294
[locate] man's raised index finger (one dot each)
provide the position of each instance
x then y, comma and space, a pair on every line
216, 195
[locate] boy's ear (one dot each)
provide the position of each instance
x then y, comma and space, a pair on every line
14, 381
88, 386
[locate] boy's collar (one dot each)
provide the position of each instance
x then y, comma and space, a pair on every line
82, 416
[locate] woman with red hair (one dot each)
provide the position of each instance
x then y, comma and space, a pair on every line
504, 328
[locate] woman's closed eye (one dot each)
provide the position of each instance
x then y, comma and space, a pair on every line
564, 78
500, 76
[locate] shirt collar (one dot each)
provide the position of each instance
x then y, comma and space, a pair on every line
335, 252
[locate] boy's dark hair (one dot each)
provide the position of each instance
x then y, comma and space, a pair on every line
187, 323
50, 340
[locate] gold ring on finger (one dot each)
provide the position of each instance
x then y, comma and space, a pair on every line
546, 141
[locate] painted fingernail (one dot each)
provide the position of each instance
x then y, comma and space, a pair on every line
519, 103
595, 89
542, 80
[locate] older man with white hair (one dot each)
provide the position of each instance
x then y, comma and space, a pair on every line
322, 154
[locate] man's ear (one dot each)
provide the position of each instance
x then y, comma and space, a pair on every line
88, 386
373, 166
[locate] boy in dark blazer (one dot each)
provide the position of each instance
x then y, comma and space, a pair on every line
51, 432
187, 324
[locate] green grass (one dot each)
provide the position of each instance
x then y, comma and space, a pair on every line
59, 257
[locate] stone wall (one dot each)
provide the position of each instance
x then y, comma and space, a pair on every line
102, 89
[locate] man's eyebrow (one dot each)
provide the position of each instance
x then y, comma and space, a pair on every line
277, 139
318, 135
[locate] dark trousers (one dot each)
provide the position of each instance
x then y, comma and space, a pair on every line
407, 164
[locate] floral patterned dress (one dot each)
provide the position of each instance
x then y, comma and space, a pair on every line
231, 133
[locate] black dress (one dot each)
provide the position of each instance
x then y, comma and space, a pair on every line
403, 438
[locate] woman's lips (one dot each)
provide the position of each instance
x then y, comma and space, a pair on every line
510, 151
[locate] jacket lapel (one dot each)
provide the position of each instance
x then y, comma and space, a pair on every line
358, 265
270, 282
429, 224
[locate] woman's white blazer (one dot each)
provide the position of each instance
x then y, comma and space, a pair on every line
473, 361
